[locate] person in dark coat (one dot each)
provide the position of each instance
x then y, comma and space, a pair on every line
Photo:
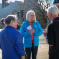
53, 32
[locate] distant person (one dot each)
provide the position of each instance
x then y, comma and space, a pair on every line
2, 23
31, 30
53, 32
3, 20
11, 40
45, 32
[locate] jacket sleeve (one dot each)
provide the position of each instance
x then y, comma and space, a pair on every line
50, 35
0, 43
38, 30
19, 45
24, 33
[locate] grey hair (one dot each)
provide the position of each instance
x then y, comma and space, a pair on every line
53, 9
28, 14
9, 18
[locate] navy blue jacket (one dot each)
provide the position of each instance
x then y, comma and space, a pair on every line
16, 39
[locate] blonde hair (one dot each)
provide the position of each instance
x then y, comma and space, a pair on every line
28, 14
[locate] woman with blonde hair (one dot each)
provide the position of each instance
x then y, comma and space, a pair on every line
31, 30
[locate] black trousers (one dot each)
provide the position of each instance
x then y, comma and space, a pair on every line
33, 49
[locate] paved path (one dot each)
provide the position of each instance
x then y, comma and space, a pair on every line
43, 48
42, 51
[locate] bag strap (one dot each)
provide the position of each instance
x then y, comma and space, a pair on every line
7, 39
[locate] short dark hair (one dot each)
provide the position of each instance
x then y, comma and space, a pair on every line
9, 18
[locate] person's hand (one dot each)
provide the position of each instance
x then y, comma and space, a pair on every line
51, 45
22, 57
32, 31
45, 33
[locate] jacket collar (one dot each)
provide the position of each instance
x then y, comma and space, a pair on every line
9, 27
56, 19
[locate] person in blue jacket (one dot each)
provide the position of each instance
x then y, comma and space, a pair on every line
11, 40
31, 30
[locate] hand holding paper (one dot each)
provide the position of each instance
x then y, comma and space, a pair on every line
29, 28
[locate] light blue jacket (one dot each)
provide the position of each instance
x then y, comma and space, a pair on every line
27, 36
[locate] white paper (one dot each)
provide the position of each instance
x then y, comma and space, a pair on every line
29, 28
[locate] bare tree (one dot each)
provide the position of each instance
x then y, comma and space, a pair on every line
40, 9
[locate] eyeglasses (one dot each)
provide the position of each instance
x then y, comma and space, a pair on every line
32, 15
